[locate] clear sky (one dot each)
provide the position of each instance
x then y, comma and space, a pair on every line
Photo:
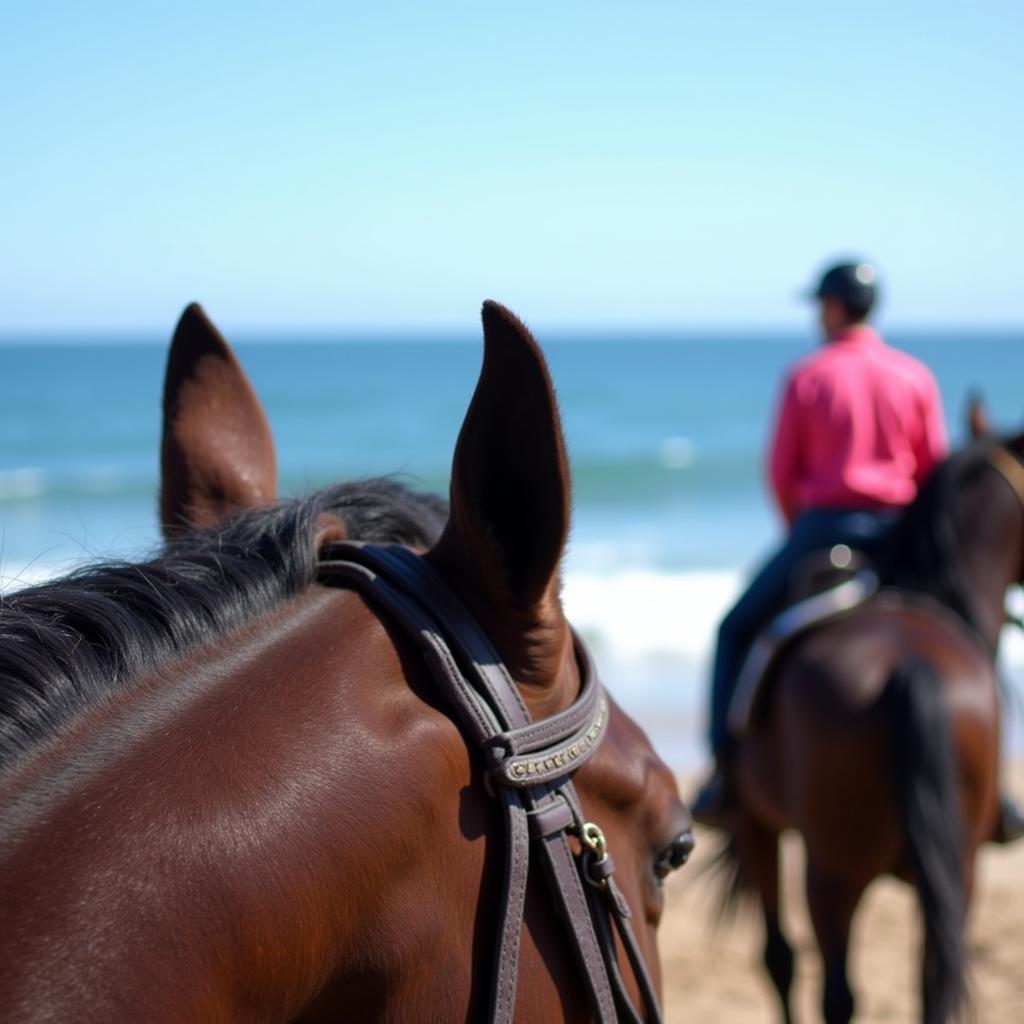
342, 165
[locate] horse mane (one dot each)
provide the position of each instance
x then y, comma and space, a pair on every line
66, 643
923, 554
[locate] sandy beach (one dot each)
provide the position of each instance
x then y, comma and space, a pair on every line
717, 976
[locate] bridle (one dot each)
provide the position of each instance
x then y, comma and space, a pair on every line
528, 768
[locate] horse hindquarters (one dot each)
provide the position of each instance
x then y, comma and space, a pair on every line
927, 794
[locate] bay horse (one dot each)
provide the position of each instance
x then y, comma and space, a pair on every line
880, 738
232, 790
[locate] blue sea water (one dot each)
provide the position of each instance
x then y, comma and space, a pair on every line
666, 436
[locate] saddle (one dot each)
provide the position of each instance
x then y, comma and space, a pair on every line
826, 585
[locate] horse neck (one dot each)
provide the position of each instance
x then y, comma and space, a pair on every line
991, 536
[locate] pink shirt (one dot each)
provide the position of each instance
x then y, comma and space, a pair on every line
860, 426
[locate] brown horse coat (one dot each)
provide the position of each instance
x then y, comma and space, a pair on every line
282, 823
881, 741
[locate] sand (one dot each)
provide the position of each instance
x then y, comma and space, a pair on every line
717, 978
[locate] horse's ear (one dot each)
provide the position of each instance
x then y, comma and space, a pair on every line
510, 491
217, 455
978, 422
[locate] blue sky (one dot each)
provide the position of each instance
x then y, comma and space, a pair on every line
392, 164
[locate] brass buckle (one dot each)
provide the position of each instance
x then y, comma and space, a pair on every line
593, 839
595, 853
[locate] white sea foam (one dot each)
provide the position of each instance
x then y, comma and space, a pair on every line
653, 634
678, 452
663, 617
21, 483
646, 616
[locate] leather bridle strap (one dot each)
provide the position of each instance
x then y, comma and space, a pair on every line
392, 576
527, 766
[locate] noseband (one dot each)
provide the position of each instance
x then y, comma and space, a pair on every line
528, 768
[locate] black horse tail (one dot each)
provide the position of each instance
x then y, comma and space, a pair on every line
927, 793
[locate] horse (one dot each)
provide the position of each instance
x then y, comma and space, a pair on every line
879, 742
233, 788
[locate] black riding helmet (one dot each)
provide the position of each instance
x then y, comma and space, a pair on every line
854, 284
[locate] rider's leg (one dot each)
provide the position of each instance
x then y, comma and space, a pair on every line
864, 530
736, 633
812, 531
764, 596
738, 629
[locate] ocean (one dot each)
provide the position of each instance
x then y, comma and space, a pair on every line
666, 436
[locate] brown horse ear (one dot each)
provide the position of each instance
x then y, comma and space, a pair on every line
978, 422
510, 490
217, 455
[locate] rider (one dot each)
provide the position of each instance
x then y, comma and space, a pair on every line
859, 429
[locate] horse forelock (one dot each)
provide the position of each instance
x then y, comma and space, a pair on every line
68, 642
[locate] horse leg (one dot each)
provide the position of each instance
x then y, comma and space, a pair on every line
760, 860
832, 904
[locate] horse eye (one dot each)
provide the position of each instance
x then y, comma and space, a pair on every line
675, 855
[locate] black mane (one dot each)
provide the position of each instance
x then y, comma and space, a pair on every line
924, 553
66, 643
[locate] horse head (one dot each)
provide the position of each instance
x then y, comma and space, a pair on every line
500, 552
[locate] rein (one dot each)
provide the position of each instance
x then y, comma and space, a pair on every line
528, 768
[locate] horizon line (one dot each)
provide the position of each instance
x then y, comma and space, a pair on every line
255, 334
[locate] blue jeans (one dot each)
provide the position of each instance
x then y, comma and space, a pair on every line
861, 529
